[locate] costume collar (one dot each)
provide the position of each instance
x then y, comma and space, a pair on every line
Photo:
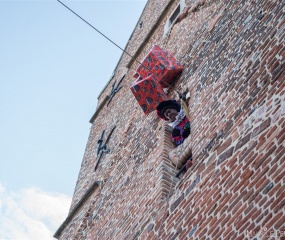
179, 118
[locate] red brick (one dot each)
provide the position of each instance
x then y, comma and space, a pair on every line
255, 177
259, 162
272, 170
281, 136
262, 183
261, 127
227, 231
215, 232
278, 174
202, 233
242, 142
209, 168
279, 223
274, 220
239, 224
279, 189
227, 154
225, 145
278, 205
225, 219
252, 157
269, 216
257, 215
248, 153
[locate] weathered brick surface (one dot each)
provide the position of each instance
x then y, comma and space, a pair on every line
233, 53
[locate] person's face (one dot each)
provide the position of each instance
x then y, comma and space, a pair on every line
171, 114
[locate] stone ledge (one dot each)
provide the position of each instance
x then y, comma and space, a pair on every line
88, 193
99, 109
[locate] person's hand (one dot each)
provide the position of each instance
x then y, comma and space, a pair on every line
175, 132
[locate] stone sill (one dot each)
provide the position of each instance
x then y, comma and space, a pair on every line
88, 193
99, 109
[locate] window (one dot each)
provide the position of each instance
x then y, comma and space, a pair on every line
174, 16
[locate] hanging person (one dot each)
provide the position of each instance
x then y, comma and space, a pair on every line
171, 111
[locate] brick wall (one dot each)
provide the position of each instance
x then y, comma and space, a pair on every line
233, 53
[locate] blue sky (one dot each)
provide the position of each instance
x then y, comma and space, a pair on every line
52, 68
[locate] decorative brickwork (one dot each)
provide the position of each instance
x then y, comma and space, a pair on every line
233, 56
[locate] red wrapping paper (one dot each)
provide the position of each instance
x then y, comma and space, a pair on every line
148, 93
160, 64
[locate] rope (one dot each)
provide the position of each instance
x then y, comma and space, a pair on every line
98, 31
112, 41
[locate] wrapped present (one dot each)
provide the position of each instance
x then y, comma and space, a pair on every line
148, 93
161, 64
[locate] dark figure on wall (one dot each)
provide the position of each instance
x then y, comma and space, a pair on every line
171, 111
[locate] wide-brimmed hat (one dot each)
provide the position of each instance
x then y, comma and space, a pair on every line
164, 105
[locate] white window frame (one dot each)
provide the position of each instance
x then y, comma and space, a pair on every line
169, 23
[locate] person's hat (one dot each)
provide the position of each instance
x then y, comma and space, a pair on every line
164, 105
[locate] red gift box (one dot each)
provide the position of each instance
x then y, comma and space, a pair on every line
161, 64
148, 93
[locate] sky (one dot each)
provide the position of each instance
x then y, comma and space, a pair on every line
53, 66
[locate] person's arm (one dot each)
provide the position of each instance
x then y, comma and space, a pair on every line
186, 130
180, 132
176, 136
